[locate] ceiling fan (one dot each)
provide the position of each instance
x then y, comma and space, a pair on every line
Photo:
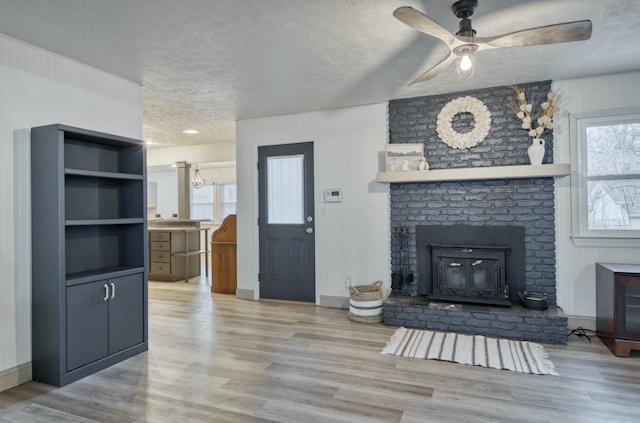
464, 44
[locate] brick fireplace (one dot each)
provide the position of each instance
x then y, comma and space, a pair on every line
524, 203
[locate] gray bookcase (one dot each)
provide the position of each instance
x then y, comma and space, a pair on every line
89, 251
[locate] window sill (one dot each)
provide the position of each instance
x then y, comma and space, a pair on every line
591, 241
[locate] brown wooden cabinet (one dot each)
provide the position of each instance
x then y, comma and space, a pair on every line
618, 306
223, 257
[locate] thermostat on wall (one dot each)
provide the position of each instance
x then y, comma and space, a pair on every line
332, 195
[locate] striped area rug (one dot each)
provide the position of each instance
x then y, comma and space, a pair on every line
478, 350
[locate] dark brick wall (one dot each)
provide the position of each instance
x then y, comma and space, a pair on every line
525, 202
413, 120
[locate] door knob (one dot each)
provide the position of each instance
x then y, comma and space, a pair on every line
309, 230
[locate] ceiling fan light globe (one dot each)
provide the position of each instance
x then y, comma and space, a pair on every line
465, 60
465, 63
462, 74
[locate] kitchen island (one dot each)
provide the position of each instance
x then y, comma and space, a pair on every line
175, 248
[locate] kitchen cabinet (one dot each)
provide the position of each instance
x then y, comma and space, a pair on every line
102, 318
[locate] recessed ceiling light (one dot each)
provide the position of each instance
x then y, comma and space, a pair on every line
191, 131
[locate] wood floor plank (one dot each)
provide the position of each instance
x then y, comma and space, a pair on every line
41, 414
445, 414
215, 358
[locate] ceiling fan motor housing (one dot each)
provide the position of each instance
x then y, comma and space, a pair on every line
465, 30
463, 9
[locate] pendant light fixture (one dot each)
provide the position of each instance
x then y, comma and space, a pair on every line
197, 181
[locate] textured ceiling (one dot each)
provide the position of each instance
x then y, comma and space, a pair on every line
204, 64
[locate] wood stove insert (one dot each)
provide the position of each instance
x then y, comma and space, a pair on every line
470, 274
467, 263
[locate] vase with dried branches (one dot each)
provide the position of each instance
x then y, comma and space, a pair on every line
536, 122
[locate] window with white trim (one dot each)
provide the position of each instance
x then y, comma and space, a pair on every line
228, 199
606, 178
203, 202
213, 201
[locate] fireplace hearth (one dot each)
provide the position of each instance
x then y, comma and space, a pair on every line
475, 264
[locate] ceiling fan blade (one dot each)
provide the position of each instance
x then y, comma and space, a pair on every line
550, 34
435, 71
416, 20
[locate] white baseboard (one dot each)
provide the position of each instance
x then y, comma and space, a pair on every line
15, 376
325, 300
245, 294
333, 301
585, 322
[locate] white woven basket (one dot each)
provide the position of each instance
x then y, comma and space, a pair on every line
365, 303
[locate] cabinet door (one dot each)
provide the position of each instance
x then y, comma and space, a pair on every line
87, 324
628, 307
126, 312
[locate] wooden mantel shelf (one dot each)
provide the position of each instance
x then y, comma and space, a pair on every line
477, 173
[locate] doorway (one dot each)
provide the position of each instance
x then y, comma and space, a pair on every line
286, 222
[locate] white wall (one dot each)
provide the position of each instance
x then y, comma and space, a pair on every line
203, 153
41, 88
576, 265
352, 237
166, 179
218, 173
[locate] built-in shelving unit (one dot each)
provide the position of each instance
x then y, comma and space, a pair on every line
477, 173
89, 242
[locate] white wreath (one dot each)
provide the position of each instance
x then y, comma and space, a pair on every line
482, 122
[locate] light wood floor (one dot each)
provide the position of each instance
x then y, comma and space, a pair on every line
213, 358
